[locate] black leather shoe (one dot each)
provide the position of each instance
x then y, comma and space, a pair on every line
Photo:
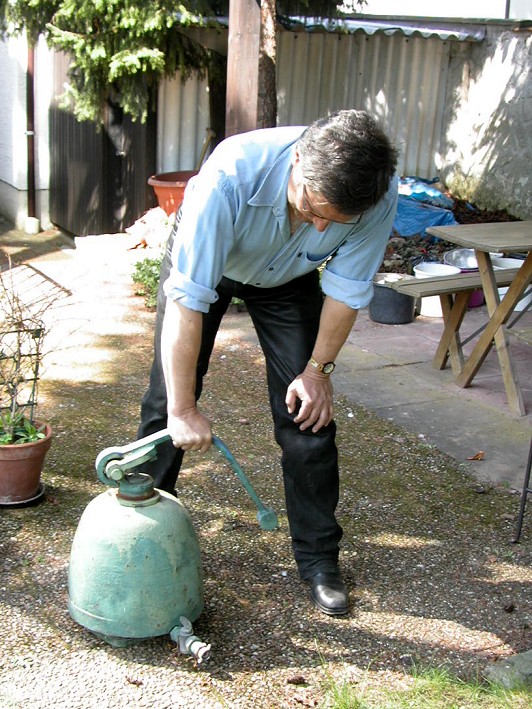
328, 593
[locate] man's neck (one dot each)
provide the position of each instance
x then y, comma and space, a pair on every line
295, 219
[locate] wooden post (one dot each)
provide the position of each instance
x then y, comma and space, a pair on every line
242, 66
267, 96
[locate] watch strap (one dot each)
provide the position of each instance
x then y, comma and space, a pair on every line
324, 367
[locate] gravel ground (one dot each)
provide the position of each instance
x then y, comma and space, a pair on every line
426, 553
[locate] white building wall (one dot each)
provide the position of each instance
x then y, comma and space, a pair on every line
12, 142
493, 9
487, 146
13, 130
520, 9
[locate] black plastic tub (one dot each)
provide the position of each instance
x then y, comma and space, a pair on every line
388, 305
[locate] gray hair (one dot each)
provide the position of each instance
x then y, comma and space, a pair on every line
348, 159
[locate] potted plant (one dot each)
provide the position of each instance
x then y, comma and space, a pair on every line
24, 440
169, 187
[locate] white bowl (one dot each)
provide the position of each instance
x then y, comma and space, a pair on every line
500, 262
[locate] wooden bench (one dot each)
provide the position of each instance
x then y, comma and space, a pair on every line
445, 285
454, 292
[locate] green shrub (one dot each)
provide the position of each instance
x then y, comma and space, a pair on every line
146, 276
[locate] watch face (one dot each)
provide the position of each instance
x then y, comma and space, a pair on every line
328, 368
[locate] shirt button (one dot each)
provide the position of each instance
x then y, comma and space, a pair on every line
257, 284
270, 269
300, 254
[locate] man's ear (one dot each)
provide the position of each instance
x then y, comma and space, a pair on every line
296, 158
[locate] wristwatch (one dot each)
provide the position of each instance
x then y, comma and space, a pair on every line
326, 368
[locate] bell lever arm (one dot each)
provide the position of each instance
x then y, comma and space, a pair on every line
113, 463
266, 516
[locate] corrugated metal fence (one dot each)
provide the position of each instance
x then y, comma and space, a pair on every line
182, 119
401, 79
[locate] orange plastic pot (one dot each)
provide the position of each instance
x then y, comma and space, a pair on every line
169, 188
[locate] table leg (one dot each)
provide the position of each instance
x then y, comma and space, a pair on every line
499, 313
450, 344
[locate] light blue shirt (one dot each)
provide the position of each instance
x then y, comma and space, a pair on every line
235, 223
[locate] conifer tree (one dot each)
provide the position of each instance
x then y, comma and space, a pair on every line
121, 49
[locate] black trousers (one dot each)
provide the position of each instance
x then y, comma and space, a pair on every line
286, 319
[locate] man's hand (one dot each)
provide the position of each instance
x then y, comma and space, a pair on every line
313, 388
315, 391
190, 430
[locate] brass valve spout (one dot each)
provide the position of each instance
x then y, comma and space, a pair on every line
190, 644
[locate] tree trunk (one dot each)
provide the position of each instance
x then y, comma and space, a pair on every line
251, 87
242, 66
267, 97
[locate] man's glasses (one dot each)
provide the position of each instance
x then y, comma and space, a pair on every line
308, 209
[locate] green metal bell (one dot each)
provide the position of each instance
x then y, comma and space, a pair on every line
135, 564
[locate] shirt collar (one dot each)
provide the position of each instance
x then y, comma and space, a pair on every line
272, 191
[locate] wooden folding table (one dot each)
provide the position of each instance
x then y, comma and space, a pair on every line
486, 239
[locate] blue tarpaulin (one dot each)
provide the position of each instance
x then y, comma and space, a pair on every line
420, 206
414, 217
423, 190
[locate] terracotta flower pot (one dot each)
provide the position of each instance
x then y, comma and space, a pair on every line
20, 470
169, 188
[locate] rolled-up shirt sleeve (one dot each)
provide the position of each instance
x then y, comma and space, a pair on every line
202, 243
355, 294
348, 275
190, 294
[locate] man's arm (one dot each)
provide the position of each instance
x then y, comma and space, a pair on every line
313, 388
180, 346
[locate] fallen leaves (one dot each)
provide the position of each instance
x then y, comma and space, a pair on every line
477, 456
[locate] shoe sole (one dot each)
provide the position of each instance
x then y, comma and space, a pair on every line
330, 611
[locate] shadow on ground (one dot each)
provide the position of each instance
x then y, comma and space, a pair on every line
21, 247
426, 553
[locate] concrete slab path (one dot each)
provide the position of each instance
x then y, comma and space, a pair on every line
386, 368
